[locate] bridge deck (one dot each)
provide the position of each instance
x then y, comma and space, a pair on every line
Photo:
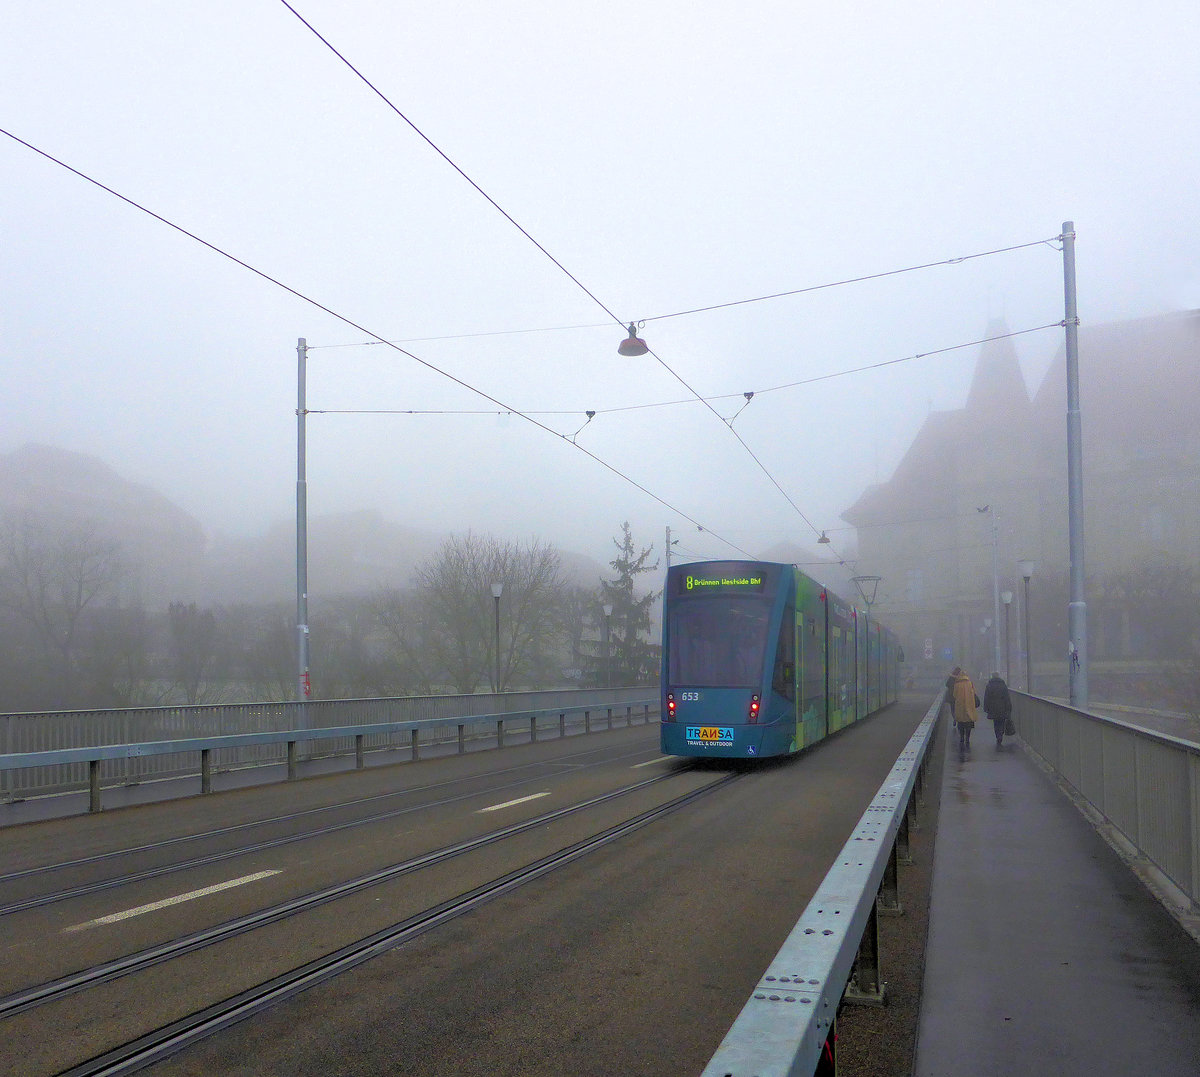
1046, 954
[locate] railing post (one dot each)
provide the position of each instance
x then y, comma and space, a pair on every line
533, 729
205, 770
499, 732
94, 785
462, 738
562, 725
628, 716
889, 887
610, 710
359, 761
416, 749
291, 757
865, 985
1194, 828
903, 849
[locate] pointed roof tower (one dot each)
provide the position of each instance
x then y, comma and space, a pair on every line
998, 387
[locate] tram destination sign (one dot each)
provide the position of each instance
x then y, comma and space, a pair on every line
694, 584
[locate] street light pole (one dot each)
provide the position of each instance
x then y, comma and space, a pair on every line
304, 685
670, 542
995, 582
497, 591
607, 644
1006, 597
1077, 608
1026, 569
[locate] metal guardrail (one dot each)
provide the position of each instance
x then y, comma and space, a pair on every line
92, 757
1144, 784
783, 1027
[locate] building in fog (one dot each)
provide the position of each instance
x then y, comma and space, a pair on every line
1005, 451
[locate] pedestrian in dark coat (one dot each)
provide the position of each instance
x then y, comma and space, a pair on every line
997, 705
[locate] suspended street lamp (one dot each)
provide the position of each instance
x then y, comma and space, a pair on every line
632, 344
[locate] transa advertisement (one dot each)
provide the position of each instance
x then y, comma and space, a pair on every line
709, 736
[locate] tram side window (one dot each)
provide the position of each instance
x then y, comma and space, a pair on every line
813, 667
783, 679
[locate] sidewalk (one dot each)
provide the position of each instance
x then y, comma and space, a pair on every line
1045, 954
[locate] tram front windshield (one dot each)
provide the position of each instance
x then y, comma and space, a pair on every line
718, 643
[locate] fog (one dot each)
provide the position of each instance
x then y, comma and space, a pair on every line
670, 156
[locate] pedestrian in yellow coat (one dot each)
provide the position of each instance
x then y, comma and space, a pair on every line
964, 702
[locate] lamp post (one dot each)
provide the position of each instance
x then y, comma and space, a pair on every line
863, 583
1026, 569
497, 591
1006, 597
1077, 608
995, 580
303, 684
607, 607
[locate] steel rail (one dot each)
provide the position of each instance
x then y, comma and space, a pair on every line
59, 988
230, 854
160, 1044
235, 827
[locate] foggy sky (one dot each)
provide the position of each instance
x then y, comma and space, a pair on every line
669, 155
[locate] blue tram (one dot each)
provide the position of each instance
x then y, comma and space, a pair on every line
758, 660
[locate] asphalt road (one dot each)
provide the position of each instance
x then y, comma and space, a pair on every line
634, 960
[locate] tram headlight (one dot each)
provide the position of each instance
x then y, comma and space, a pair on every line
754, 707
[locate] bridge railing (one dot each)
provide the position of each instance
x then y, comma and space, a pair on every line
1142, 783
59, 752
833, 949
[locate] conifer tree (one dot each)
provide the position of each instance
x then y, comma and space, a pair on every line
631, 656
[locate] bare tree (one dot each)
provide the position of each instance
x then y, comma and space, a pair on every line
401, 626
50, 574
118, 661
195, 648
265, 639
531, 611
457, 610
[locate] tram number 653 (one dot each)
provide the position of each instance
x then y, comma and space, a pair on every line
689, 697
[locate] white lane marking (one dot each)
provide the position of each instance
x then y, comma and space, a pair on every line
191, 895
510, 803
649, 762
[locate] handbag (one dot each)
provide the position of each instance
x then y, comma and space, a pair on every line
1009, 729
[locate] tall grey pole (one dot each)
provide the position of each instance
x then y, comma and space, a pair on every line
496, 599
607, 649
1077, 609
668, 548
996, 591
1007, 641
303, 686
1028, 644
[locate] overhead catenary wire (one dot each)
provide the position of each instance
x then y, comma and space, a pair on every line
445, 157
363, 329
692, 400
666, 366
662, 362
702, 310
848, 280
507, 216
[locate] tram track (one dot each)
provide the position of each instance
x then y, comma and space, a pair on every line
163, 1042
62, 987
124, 879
